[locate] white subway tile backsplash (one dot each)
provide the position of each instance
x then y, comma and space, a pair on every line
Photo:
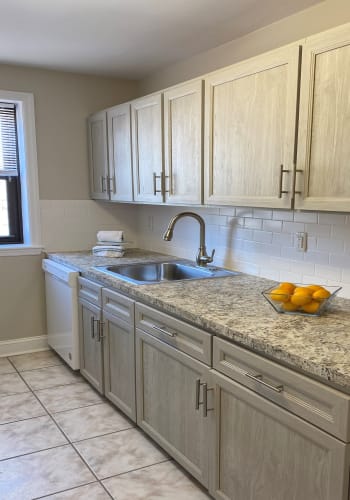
286, 215
262, 213
274, 226
330, 245
230, 211
244, 212
317, 257
341, 231
251, 223
331, 218
305, 217
262, 236
292, 227
318, 229
328, 272
257, 241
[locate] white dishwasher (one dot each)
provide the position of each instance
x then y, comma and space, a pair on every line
61, 284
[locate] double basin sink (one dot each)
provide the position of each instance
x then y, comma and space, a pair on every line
159, 272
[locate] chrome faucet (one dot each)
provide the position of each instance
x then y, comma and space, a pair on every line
202, 258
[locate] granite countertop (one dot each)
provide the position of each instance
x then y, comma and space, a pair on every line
233, 308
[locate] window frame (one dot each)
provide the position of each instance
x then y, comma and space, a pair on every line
28, 173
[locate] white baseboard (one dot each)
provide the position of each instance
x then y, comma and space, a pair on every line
22, 346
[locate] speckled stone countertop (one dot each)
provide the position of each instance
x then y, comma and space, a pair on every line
234, 308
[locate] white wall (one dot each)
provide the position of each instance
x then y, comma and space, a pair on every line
259, 241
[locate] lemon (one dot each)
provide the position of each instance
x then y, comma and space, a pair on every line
311, 307
287, 287
321, 294
289, 306
303, 289
314, 287
278, 295
302, 297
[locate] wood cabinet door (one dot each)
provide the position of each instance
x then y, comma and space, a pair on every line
261, 451
147, 141
119, 364
323, 168
183, 132
166, 397
250, 128
119, 153
98, 158
91, 355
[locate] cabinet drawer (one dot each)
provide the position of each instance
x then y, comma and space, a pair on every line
120, 306
90, 291
184, 337
319, 404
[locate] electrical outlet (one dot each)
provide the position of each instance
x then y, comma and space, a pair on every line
150, 222
301, 242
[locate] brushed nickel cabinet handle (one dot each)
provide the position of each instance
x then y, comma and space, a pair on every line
198, 389
298, 171
111, 181
162, 330
103, 184
280, 187
100, 334
92, 321
205, 400
163, 177
155, 177
259, 378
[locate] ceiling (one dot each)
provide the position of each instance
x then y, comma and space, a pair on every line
127, 38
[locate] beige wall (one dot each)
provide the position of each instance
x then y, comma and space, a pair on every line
21, 298
62, 103
322, 16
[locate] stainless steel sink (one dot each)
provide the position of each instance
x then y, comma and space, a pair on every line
158, 272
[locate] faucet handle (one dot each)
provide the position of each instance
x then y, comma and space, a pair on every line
203, 258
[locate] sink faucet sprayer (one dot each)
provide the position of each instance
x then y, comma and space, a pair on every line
202, 258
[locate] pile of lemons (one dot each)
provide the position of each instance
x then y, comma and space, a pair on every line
299, 298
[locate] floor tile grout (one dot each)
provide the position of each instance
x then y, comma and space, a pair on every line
66, 489
71, 443
102, 435
33, 452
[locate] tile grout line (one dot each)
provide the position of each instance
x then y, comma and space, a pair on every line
102, 435
63, 433
72, 444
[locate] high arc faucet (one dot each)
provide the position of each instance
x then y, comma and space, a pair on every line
202, 258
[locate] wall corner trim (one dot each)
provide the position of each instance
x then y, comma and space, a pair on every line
24, 345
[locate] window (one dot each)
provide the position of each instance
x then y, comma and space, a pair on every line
10, 185
19, 194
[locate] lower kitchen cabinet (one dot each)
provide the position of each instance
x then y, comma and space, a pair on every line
166, 381
91, 353
119, 364
260, 451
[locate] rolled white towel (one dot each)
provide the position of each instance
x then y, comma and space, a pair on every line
116, 236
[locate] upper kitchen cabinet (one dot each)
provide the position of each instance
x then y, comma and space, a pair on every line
120, 184
322, 177
147, 150
98, 159
183, 121
251, 110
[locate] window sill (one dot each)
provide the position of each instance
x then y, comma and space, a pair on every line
14, 250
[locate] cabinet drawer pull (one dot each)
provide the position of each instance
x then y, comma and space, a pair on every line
92, 328
100, 333
161, 329
258, 378
280, 188
103, 184
198, 390
155, 190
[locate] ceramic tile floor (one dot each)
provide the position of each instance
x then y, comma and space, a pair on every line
59, 439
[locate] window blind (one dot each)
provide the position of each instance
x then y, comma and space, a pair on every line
8, 141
